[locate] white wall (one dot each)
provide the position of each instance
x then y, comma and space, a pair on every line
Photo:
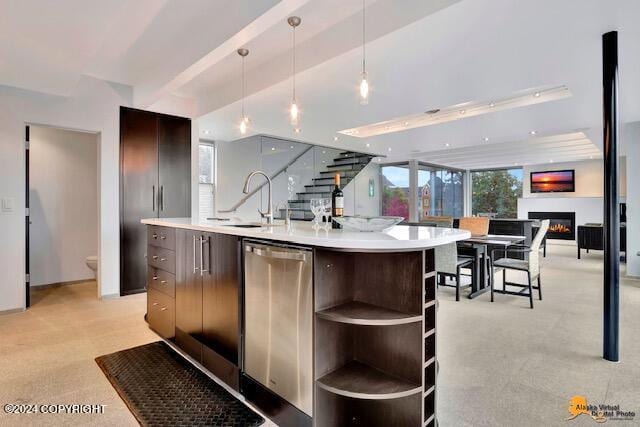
94, 106
588, 175
631, 134
64, 204
234, 161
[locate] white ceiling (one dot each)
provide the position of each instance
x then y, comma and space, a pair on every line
420, 54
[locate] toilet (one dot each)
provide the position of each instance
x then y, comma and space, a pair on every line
92, 263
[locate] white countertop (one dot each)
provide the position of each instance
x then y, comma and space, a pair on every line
398, 238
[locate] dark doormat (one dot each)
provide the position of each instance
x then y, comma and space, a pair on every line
162, 389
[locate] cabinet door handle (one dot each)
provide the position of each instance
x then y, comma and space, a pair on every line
154, 257
163, 308
163, 259
202, 269
162, 197
194, 255
155, 303
155, 278
163, 237
164, 282
153, 198
154, 235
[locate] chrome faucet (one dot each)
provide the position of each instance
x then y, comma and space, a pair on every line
269, 213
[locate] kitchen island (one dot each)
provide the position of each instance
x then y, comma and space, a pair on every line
330, 327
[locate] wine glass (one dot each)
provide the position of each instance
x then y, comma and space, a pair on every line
317, 209
326, 210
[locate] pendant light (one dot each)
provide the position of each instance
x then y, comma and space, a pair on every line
294, 111
244, 120
364, 83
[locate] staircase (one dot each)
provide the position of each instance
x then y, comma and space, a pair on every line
348, 165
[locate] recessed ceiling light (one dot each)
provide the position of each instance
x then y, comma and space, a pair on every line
291, 146
446, 145
368, 145
460, 111
335, 138
324, 152
486, 139
591, 157
537, 94
273, 148
297, 130
206, 131
533, 132
389, 149
551, 161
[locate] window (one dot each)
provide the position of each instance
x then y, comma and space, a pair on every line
439, 192
207, 179
395, 190
496, 192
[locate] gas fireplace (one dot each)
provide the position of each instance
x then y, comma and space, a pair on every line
562, 225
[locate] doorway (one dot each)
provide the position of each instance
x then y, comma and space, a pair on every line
62, 201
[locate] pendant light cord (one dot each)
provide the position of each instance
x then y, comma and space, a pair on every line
294, 63
363, 38
243, 115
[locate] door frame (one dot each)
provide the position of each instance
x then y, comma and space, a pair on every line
27, 146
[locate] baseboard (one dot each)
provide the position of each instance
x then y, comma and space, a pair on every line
58, 284
110, 296
12, 311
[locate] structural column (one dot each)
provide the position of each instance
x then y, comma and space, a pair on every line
611, 202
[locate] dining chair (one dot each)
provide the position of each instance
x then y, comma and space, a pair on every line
438, 221
448, 264
531, 266
477, 226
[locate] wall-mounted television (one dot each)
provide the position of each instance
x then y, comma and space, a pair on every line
562, 181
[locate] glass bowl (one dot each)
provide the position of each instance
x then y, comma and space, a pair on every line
368, 223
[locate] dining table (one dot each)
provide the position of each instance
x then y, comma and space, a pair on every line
479, 248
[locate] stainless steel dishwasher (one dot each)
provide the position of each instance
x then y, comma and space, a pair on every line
278, 347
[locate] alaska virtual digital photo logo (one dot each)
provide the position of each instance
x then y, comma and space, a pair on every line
599, 413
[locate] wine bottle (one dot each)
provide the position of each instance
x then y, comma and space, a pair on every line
337, 203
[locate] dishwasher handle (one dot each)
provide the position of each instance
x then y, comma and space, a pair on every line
270, 253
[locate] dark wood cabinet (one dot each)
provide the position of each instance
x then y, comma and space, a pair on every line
161, 265
208, 284
220, 295
188, 293
155, 176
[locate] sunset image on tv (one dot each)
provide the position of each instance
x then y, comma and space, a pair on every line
552, 182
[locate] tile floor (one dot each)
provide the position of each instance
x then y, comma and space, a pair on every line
501, 364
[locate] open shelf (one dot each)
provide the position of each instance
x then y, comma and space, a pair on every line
360, 313
361, 381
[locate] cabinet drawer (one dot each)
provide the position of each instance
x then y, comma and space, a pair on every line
162, 281
162, 237
161, 258
161, 313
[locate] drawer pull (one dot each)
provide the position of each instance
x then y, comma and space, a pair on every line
163, 259
164, 282
154, 235
163, 308
162, 237
155, 303
154, 257
155, 277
